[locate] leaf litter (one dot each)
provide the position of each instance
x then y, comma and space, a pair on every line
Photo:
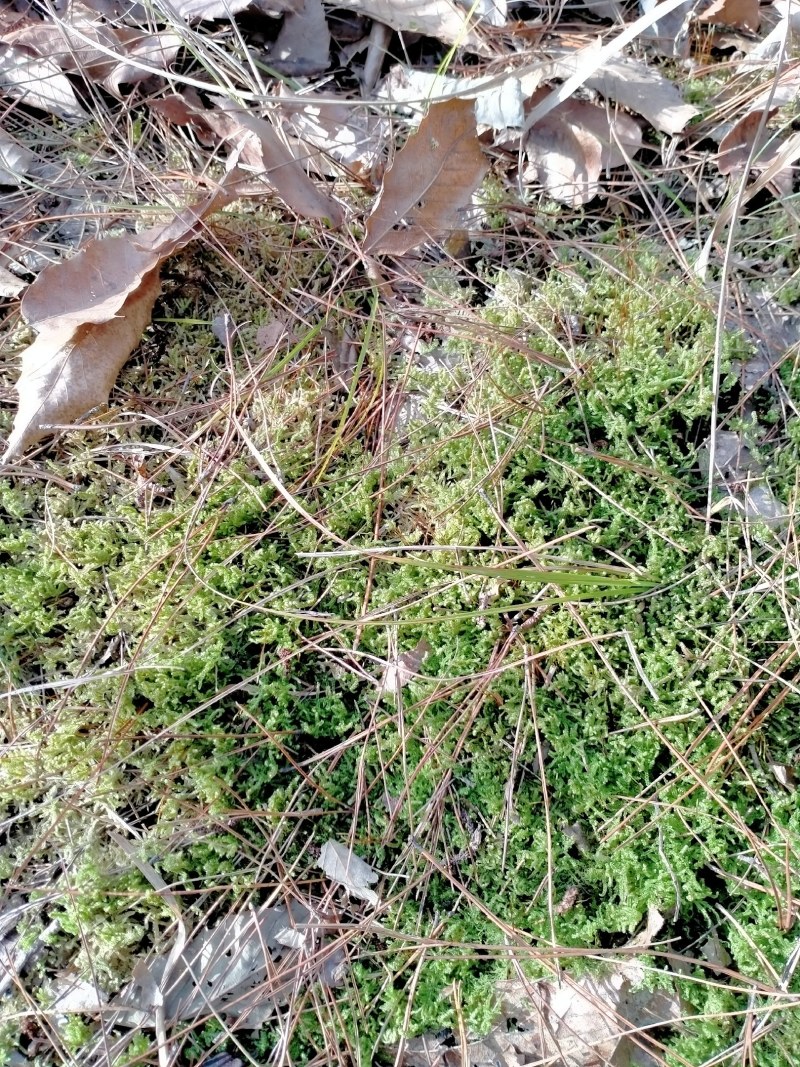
424, 195
575, 1022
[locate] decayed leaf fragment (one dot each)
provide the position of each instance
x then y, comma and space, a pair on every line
342, 865
432, 178
241, 968
405, 668
90, 312
741, 14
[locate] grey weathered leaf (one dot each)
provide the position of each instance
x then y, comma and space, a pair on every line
342, 865
248, 962
743, 479
15, 159
198, 10
38, 82
324, 133
77, 995
445, 19
636, 85
499, 104
302, 47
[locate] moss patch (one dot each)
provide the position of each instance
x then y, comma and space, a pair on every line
609, 736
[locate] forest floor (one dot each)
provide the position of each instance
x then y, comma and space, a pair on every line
398, 569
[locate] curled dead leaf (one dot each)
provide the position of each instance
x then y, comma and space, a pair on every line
569, 149
90, 312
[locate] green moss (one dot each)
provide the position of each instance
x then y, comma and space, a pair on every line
229, 698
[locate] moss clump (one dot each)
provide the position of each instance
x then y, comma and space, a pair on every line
227, 651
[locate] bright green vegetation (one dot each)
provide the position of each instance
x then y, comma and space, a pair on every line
557, 427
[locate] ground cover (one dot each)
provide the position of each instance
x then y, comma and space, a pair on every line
478, 563
564, 757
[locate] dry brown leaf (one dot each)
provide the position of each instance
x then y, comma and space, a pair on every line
446, 20
90, 312
578, 1023
262, 152
741, 14
736, 145
68, 371
569, 149
431, 179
